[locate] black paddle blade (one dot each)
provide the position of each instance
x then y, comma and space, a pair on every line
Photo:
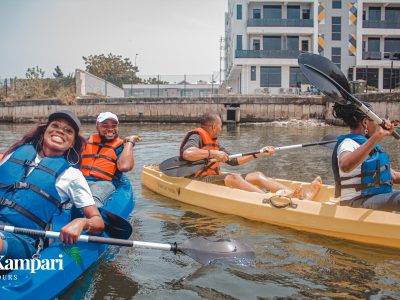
176, 167
115, 226
212, 251
313, 66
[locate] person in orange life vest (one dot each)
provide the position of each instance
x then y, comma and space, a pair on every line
38, 175
106, 156
202, 143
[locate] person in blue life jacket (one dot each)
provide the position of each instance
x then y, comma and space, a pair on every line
361, 168
105, 156
38, 174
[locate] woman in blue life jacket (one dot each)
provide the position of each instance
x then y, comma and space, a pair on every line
363, 177
38, 174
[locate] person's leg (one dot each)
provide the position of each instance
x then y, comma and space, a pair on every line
16, 246
386, 202
101, 191
304, 191
237, 181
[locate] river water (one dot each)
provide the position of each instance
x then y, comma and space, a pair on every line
289, 264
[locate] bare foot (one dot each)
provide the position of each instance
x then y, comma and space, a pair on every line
308, 191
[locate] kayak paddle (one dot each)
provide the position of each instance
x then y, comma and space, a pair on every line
176, 167
330, 80
203, 250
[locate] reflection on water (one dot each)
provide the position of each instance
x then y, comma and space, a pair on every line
289, 263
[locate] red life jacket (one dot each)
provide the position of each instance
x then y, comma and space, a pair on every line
100, 159
211, 168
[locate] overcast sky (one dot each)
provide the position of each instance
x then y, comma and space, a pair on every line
171, 36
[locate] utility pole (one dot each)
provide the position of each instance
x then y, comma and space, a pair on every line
221, 47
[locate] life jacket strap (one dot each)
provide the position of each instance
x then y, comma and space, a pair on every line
101, 145
25, 185
100, 171
32, 164
99, 156
11, 204
208, 167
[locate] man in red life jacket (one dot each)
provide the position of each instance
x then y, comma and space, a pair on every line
202, 143
106, 156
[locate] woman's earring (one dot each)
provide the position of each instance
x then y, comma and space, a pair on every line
77, 156
366, 131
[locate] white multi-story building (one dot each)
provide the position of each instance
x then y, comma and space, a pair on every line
264, 39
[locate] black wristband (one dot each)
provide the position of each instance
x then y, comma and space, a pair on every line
130, 141
254, 155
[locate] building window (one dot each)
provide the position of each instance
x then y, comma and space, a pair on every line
370, 75
336, 3
392, 14
306, 13
239, 11
391, 78
256, 13
293, 12
374, 13
256, 45
373, 45
187, 93
350, 73
336, 56
253, 73
272, 12
293, 43
392, 45
138, 93
239, 43
270, 76
204, 93
296, 77
336, 28
304, 45
272, 43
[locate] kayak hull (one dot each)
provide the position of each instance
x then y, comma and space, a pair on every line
76, 259
322, 216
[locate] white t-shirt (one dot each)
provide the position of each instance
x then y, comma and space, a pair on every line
70, 185
349, 145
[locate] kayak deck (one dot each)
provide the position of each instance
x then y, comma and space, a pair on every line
76, 259
322, 215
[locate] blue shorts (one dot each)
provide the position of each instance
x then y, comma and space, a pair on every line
101, 191
16, 245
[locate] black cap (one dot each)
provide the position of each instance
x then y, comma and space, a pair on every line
69, 116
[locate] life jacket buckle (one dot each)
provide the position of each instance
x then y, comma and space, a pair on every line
6, 202
21, 185
31, 163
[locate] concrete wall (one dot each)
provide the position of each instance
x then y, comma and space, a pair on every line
245, 109
89, 84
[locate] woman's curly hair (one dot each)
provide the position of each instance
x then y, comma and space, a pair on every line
349, 113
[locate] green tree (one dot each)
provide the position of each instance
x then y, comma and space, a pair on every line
34, 73
112, 68
58, 73
154, 80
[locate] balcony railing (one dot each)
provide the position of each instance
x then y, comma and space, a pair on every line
381, 24
373, 55
280, 23
267, 53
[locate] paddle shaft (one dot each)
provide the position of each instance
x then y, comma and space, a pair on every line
89, 238
355, 101
283, 148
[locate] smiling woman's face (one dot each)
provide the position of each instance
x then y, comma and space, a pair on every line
58, 137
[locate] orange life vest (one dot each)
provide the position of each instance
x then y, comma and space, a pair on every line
100, 159
211, 168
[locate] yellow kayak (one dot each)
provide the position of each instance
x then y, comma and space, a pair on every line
323, 215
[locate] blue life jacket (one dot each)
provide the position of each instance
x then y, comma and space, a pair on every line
375, 170
30, 201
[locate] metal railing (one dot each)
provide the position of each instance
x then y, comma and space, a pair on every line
267, 53
280, 23
381, 24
